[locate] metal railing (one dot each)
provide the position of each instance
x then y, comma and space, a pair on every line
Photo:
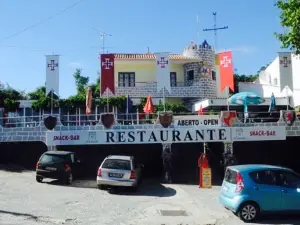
142, 84
127, 119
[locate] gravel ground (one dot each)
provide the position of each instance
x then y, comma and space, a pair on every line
23, 201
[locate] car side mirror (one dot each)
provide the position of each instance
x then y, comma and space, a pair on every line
142, 166
78, 161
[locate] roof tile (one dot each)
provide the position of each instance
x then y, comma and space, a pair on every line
151, 56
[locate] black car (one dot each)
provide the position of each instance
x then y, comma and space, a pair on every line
61, 165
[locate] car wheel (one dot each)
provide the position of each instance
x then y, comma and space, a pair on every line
248, 212
69, 179
39, 179
100, 187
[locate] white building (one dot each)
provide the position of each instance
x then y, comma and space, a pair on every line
281, 77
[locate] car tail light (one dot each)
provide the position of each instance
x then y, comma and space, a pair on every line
67, 168
99, 173
37, 165
239, 183
132, 175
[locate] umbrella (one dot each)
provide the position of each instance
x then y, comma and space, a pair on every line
245, 98
149, 107
272, 107
200, 111
88, 101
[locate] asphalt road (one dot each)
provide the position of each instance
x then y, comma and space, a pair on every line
23, 201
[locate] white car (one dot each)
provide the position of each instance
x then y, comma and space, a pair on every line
117, 170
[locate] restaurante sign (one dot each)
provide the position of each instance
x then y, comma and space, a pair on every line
153, 136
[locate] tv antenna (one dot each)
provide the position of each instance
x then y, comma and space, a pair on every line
215, 29
103, 36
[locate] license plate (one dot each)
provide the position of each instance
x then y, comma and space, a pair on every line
51, 168
115, 175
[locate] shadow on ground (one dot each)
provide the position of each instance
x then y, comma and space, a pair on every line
280, 219
149, 187
13, 168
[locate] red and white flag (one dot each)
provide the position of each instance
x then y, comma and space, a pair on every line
107, 73
226, 70
163, 71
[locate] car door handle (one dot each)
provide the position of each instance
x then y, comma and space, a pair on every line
256, 188
284, 191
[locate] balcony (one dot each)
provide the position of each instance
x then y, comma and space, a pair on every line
205, 88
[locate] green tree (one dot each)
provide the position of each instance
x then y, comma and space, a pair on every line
37, 94
243, 78
290, 21
81, 82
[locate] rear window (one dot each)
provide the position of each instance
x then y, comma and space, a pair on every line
116, 164
48, 158
230, 176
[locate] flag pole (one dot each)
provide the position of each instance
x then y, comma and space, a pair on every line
51, 102
127, 105
107, 104
164, 100
286, 95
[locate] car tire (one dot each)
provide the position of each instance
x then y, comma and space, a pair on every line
69, 179
39, 179
248, 212
100, 187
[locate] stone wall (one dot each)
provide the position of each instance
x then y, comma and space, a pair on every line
38, 133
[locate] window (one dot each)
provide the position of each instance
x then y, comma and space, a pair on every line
173, 79
190, 76
126, 79
213, 75
275, 81
289, 179
230, 176
49, 158
265, 177
117, 164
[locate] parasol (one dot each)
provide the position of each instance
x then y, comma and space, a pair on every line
245, 98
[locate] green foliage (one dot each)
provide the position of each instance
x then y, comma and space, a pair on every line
243, 78
11, 105
81, 82
39, 93
290, 21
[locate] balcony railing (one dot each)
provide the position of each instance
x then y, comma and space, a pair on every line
126, 119
142, 84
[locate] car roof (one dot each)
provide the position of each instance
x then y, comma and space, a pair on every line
254, 167
122, 157
58, 152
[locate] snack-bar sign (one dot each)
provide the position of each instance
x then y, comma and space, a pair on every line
258, 133
179, 135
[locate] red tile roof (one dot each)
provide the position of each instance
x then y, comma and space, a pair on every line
151, 56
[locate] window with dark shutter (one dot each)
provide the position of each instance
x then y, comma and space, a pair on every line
126, 79
173, 79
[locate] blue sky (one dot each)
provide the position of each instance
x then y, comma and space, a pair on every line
167, 25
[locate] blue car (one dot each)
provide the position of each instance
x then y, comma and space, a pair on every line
249, 190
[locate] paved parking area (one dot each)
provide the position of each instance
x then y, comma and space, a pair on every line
24, 201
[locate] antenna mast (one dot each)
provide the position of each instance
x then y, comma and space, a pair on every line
215, 29
103, 36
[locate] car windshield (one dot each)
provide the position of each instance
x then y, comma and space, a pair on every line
49, 158
116, 164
